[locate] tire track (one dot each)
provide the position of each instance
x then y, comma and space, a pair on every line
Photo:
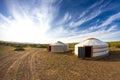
32, 64
27, 69
6, 63
13, 69
6, 59
23, 72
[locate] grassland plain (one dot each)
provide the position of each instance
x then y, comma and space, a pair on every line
38, 64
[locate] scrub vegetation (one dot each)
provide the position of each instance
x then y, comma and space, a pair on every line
19, 48
114, 44
36, 63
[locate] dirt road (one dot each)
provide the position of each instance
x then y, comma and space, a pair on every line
38, 64
18, 65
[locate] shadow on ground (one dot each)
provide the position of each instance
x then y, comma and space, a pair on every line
113, 56
70, 52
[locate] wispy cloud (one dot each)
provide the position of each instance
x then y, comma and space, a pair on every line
107, 22
112, 28
34, 21
66, 18
91, 31
29, 21
90, 13
110, 19
101, 34
93, 6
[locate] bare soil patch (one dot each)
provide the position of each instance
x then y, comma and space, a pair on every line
38, 64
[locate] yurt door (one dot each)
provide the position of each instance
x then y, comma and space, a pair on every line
88, 51
49, 48
81, 52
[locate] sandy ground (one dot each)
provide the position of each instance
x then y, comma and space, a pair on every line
38, 64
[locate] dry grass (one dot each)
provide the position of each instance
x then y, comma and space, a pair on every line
38, 64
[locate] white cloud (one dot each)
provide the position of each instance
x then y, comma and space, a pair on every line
94, 31
106, 23
32, 23
28, 24
84, 17
59, 32
93, 6
103, 35
90, 13
112, 28
110, 19
76, 24
4, 19
66, 18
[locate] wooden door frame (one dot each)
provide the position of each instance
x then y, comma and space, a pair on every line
91, 50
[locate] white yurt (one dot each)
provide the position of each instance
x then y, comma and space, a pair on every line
91, 47
58, 47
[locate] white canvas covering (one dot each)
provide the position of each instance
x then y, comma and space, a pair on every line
100, 48
59, 47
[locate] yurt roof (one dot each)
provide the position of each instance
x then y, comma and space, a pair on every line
58, 43
92, 42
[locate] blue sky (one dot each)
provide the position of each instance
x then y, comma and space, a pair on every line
47, 21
